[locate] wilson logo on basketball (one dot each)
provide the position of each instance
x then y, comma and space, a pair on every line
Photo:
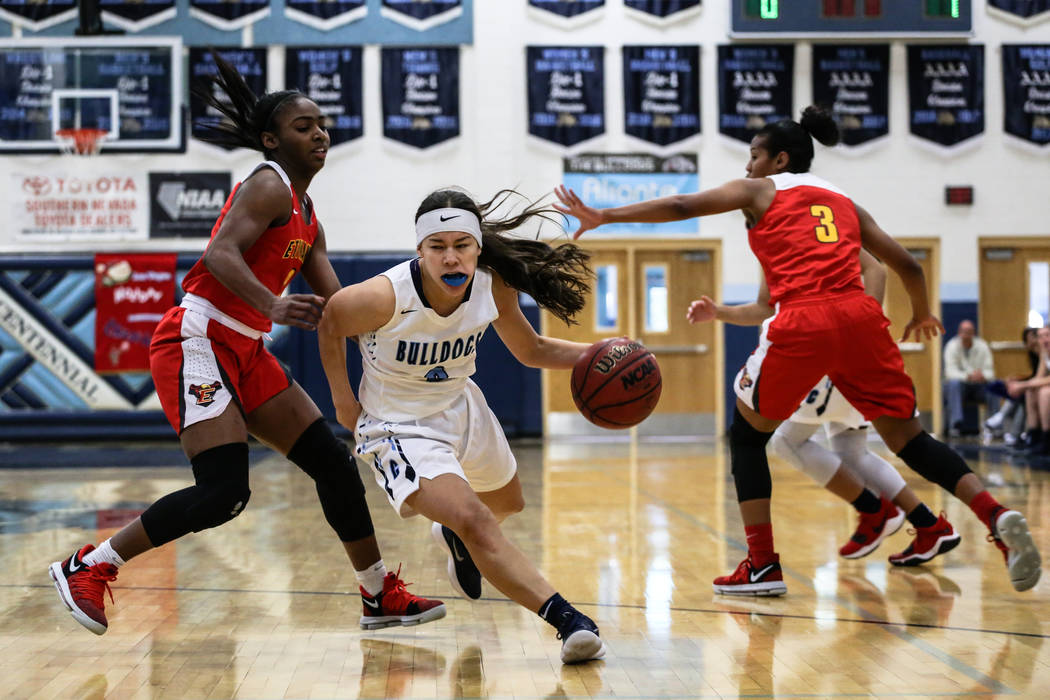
297, 249
614, 355
205, 393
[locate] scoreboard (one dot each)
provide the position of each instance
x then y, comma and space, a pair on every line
838, 18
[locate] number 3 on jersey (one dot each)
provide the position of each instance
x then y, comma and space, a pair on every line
826, 231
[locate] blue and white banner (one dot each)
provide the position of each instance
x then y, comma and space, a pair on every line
566, 87
616, 179
755, 87
250, 63
854, 79
1026, 93
420, 95
136, 15
229, 14
421, 15
661, 93
331, 77
946, 94
325, 15
37, 14
566, 13
1023, 12
662, 12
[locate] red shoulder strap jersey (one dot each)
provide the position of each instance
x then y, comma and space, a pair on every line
274, 259
808, 241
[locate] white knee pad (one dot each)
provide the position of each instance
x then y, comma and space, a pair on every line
791, 442
876, 473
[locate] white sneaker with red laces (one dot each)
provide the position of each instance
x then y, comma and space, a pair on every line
767, 580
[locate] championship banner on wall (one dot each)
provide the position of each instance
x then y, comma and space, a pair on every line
566, 93
229, 14
566, 13
855, 81
331, 77
662, 12
421, 15
1023, 12
136, 15
250, 63
186, 205
1026, 93
755, 84
82, 207
38, 14
132, 293
420, 95
661, 93
946, 94
325, 15
616, 179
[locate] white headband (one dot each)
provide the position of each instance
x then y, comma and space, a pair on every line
448, 219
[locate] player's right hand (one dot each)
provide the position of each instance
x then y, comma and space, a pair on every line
924, 328
299, 310
572, 205
701, 310
348, 415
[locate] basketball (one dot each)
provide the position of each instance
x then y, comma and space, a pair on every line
616, 383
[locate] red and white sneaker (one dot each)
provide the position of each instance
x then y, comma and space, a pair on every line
395, 606
80, 587
929, 541
1010, 534
872, 529
751, 580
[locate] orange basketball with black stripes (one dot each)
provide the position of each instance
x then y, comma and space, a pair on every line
616, 383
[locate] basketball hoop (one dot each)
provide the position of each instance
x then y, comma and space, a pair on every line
81, 142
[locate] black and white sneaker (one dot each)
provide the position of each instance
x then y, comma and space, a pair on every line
579, 638
463, 574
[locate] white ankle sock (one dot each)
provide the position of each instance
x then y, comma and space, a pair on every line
371, 579
104, 553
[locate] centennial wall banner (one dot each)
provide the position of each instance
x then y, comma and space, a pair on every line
662, 12
420, 95
1026, 93
755, 84
661, 92
421, 15
331, 77
229, 14
616, 179
566, 87
132, 293
38, 14
946, 93
250, 63
325, 15
855, 81
136, 15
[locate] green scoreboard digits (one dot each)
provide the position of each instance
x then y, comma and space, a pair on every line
837, 18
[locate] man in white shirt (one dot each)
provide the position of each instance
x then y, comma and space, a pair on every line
968, 368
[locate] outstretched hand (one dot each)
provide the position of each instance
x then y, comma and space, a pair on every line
701, 310
589, 217
299, 310
924, 328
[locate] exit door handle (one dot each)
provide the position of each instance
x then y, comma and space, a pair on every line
700, 349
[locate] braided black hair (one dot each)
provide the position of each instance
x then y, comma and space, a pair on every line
796, 138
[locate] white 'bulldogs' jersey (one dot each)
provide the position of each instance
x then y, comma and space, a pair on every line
419, 362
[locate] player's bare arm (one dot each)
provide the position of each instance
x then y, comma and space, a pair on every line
706, 309
874, 275
261, 202
353, 310
317, 268
528, 347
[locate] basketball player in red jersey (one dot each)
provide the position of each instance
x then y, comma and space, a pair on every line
807, 234
217, 382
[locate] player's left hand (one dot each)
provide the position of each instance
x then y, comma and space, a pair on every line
571, 205
924, 328
701, 310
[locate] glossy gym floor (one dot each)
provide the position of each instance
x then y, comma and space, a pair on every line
630, 531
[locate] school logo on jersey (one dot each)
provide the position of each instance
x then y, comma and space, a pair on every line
745, 380
205, 393
431, 353
297, 250
438, 374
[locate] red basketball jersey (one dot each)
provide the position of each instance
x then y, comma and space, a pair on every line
274, 259
808, 241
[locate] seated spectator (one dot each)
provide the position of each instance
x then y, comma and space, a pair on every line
1009, 421
1036, 393
967, 370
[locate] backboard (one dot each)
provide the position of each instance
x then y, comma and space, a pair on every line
129, 88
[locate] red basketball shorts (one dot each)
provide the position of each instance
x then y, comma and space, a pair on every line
199, 365
846, 338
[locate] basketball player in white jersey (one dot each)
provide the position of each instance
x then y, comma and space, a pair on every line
885, 499
422, 425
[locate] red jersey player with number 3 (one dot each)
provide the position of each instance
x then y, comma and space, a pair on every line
807, 234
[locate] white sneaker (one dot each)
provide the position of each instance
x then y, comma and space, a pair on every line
1012, 537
